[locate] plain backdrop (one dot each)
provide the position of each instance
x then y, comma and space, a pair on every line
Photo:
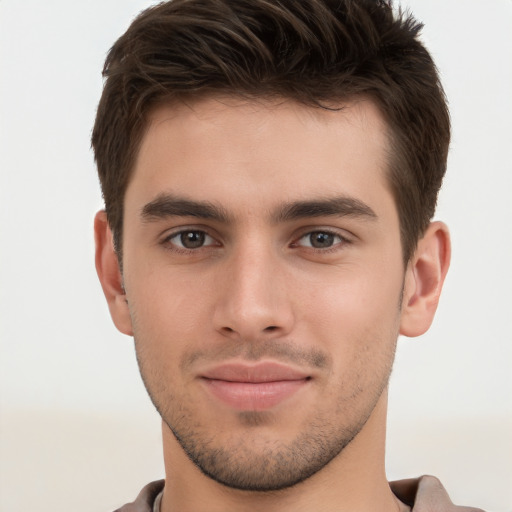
77, 430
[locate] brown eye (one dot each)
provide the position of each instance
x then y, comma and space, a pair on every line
190, 239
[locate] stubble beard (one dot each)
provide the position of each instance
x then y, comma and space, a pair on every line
274, 466
251, 463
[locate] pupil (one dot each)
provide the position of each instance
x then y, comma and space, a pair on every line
322, 240
192, 239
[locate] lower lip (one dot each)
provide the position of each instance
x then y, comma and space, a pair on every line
254, 396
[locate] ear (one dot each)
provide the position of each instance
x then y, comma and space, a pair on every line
424, 280
107, 267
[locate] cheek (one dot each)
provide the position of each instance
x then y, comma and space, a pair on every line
355, 318
168, 313
351, 297
165, 325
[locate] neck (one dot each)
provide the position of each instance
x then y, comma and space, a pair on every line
353, 481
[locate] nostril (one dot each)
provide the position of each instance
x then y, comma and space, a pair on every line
270, 328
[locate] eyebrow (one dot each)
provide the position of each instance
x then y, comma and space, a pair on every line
343, 206
168, 205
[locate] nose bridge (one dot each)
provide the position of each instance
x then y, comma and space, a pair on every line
253, 301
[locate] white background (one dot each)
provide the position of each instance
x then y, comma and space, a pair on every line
77, 430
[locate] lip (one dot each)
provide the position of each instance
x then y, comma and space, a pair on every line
254, 387
267, 371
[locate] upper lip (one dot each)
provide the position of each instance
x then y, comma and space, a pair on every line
254, 373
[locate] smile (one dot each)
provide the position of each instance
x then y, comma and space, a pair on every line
254, 387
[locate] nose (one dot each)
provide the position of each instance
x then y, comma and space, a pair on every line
253, 302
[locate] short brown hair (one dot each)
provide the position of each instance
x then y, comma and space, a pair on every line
315, 52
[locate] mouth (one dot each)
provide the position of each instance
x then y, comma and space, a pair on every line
254, 387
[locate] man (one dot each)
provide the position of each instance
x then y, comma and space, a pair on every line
270, 170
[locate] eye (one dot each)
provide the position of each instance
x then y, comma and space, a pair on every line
320, 240
190, 239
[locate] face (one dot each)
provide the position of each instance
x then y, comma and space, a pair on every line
263, 275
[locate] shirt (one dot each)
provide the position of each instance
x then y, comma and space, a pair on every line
424, 494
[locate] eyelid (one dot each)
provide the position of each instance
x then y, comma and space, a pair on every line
344, 238
168, 235
183, 228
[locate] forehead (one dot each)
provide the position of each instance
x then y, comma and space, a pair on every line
245, 115
219, 146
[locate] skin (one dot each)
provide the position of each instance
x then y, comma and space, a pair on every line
319, 287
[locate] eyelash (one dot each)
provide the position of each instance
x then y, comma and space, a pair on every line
336, 246
342, 241
167, 241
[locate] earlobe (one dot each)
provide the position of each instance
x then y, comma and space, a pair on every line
107, 267
424, 280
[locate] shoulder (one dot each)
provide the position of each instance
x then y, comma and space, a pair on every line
426, 494
145, 499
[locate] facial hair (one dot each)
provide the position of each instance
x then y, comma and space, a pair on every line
253, 462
